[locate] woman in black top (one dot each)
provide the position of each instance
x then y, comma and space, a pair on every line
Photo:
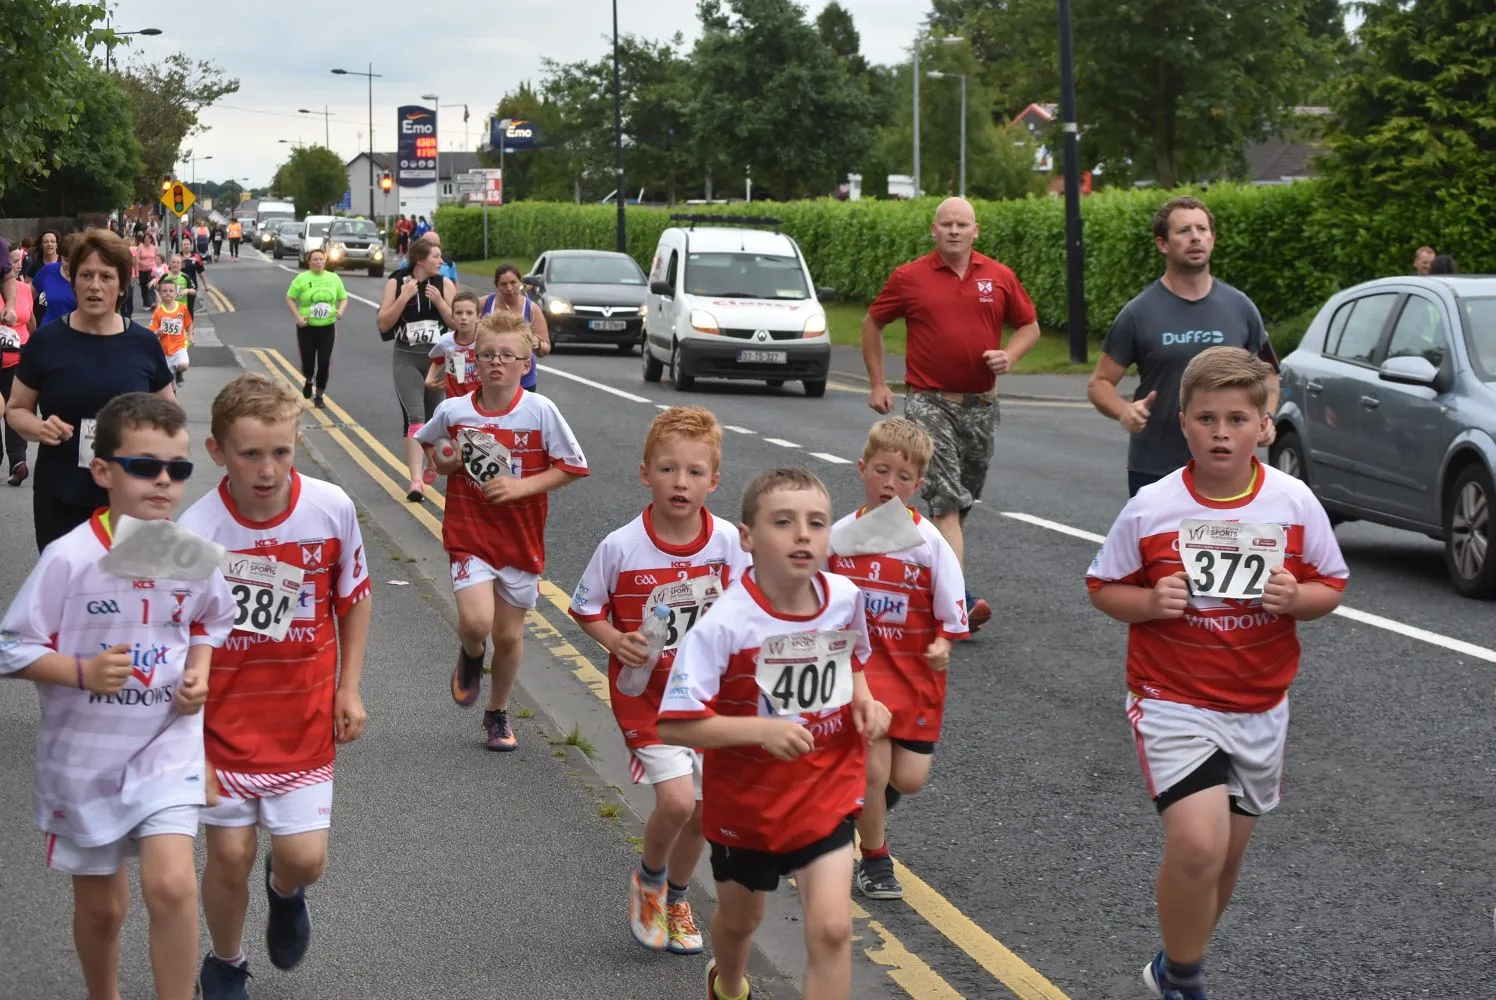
47, 251
69, 369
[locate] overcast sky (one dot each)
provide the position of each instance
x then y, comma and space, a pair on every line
282, 51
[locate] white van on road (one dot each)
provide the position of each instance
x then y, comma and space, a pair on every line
734, 303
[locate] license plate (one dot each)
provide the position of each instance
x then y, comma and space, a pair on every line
763, 357
607, 324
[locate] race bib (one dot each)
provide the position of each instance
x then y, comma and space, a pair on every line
887, 528
171, 325
148, 550
687, 600
9, 340
266, 593
805, 673
1230, 559
88, 429
321, 310
422, 331
483, 457
461, 367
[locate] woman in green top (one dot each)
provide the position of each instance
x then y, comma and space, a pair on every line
317, 300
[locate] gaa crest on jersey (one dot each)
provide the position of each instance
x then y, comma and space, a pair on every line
311, 554
181, 598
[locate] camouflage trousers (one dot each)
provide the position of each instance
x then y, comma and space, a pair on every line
963, 436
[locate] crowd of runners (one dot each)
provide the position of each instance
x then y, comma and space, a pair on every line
779, 675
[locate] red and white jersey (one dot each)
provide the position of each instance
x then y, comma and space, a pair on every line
106, 762
1223, 654
270, 703
911, 597
459, 364
624, 571
511, 534
750, 798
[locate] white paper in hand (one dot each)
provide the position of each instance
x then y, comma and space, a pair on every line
146, 550
888, 528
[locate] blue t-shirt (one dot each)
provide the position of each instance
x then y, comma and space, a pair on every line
74, 375
60, 300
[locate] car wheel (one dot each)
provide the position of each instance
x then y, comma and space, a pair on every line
627, 347
1467, 532
1287, 455
653, 366
683, 382
815, 388
275, 252
775, 383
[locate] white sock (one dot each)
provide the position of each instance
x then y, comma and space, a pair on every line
236, 962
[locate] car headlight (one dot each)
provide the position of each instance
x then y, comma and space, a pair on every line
336, 250
558, 307
644, 309
815, 325
378, 254
704, 322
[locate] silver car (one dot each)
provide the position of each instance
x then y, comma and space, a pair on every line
1388, 411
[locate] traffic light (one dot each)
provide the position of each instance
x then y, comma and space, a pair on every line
178, 199
385, 182
166, 183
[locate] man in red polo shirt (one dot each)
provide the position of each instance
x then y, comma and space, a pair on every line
954, 303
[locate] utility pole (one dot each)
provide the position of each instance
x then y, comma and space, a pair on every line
1075, 246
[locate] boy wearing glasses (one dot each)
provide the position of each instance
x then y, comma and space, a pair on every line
121, 670
287, 680
503, 450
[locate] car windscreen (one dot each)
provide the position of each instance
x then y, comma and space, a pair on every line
317, 228
1480, 335
594, 271
361, 227
745, 276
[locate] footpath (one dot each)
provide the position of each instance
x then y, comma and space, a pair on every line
455, 873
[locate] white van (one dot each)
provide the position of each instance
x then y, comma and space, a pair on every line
734, 303
314, 236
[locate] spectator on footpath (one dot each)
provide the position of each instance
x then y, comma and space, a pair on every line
1161, 329
1444, 264
955, 303
1423, 259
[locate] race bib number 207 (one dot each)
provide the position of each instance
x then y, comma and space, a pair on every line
1230, 559
805, 673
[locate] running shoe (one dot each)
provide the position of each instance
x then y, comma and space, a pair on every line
500, 733
876, 880
648, 921
685, 938
319, 402
416, 493
218, 980
19, 473
306, 389
288, 931
467, 678
428, 475
1157, 980
711, 983
978, 613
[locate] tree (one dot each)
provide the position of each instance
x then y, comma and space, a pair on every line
166, 98
315, 177
43, 42
835, 26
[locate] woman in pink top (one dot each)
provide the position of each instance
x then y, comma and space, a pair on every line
147, 259
12, 338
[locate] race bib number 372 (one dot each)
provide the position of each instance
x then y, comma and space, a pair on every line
805, 673
687, 600
1230, 559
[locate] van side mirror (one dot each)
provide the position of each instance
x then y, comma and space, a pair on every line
661, 288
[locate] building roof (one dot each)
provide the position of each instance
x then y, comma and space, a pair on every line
450, 163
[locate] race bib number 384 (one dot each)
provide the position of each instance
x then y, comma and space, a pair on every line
1230, 559
266, 593
805, 673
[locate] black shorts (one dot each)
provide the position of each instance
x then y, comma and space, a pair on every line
1215, 771
926, 747
761, 871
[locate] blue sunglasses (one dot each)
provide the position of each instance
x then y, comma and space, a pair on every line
179, 469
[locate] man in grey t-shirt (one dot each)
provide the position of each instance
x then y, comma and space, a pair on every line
1161, 329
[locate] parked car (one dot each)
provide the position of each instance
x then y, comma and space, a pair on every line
1388, 411
353, 244
314, 229
734, 303
590, 297
285, 239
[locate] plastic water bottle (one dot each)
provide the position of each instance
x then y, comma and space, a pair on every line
633, 680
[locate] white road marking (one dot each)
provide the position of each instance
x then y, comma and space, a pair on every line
1363, 617
596, 385
736, 429
782, 442
662, 406
833, 459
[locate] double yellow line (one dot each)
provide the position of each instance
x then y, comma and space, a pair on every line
220, 300
902, 966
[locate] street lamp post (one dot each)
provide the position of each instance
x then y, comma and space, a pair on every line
114, 36
371, 76
623, 243
326, 126
936, 74
919, 41
436, 106
1075, 247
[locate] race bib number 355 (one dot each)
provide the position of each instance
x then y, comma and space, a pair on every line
266, 593
805, 673
1230, 559
687, 600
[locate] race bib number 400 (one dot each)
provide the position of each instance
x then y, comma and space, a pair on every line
483, 457
805, 673
422, 331
1230, 559
266, 593
687, 600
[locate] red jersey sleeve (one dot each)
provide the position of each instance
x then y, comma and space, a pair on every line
1018, 309
890, 304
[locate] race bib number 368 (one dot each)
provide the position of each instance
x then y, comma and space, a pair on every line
1230, 559
805, 673
483, 457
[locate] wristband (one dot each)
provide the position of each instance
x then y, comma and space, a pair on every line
78, 660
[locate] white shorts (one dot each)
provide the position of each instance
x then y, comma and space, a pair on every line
515, 587
177, 359
1174, 739
660, 763
300, 810
66, 856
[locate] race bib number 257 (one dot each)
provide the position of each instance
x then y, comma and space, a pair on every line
1230, 559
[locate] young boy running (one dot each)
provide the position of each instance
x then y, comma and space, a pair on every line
453, 353
172, 325
1212, 567
121, 670
770, 686
285, 687
676, 553
915, 603
503, 451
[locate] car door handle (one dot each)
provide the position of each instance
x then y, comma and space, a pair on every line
1370, 402
1314, 386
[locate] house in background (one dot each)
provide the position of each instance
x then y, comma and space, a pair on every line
451, 164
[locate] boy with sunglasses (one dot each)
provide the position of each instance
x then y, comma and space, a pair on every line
286, 683
121, 669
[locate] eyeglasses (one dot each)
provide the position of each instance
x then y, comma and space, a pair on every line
179, 469
503, 357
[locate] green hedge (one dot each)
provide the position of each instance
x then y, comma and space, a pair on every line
1282, 245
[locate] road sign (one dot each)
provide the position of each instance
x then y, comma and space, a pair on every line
471, 177
178, 198
346, 202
